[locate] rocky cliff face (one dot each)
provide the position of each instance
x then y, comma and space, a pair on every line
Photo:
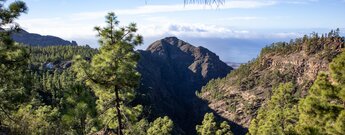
172, 71
39, 40
238, 96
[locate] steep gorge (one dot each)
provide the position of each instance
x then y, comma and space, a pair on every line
238, 96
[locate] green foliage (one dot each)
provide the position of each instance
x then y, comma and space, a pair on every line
40, 55
280, 47
99, 94
13, 61
161, 126
112, 73
322, 111
211, 127
53, 103
38, 99
12, 12
138, 128
337, 69
33, 121
79, 110
224, 129
309, 44
74, 103
279, 115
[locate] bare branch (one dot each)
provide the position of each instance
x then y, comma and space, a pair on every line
205, 2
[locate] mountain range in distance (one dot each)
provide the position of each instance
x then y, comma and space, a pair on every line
34, 39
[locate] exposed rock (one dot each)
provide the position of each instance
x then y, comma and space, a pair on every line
172, 71
238, 96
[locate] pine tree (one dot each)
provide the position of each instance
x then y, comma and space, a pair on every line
79, 110
224, 129
13, 61
161, 126
279, 115
323, 110
211, 127
112, 73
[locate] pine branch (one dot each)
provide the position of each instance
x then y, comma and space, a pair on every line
205, 2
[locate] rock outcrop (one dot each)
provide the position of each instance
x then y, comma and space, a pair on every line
172, 71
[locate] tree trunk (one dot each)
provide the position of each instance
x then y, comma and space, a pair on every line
82, 125
117, 100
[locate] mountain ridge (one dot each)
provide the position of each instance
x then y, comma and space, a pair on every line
172, 71
34, 39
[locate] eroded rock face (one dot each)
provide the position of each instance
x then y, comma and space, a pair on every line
172, 71
240, 104
237, 98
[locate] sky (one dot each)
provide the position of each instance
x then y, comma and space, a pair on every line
236, 30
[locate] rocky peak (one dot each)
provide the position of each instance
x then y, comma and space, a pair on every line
197, 59
172, 71
172, 40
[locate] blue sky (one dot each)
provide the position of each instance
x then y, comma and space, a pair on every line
235, 31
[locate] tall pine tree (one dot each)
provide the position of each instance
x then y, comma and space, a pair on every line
13, 61
112, 74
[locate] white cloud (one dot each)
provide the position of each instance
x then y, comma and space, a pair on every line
241, 18
73, 29
61, 27
208, 31
151, 9
80, 25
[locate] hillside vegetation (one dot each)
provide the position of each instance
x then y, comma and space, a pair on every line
239, 95
321, 112
291, 88
43, 91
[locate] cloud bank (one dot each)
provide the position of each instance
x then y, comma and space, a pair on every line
153, 23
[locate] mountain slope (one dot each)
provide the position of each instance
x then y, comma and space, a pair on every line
39, 40
238, 96
172, 70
